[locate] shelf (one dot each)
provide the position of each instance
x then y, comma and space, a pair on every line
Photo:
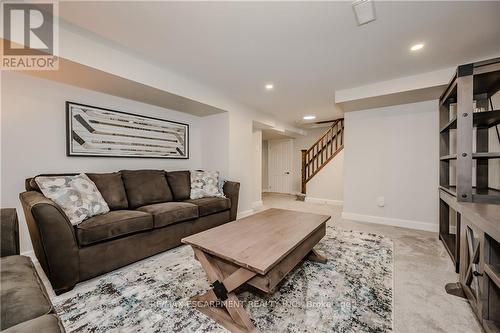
493, 271
476, 156
480, 196
491, 326
488, 82
485, 156
449, 189
448, 157
485, 119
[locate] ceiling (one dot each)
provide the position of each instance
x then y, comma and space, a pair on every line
306, 49
93, 79
269, 134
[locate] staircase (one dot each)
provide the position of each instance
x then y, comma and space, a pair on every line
322, 151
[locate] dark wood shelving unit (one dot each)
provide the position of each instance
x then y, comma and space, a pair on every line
466, 108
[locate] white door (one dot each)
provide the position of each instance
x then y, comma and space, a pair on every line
280, 165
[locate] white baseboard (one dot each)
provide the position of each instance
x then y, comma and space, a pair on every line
324, 201
30, 254
257, 204
245, 213
409, 224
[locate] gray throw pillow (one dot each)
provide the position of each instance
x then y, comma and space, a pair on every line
205, 184
77, 195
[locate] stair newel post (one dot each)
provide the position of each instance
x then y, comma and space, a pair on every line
303, 187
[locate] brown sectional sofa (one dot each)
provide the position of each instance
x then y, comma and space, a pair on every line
150, 211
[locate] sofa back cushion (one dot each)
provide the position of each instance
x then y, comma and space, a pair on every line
112, 189
180, 184
146, 187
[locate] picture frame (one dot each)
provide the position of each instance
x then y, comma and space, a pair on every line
99, 132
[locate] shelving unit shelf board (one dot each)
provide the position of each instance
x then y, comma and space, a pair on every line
485, 156
488, 82
448, 157
476, 156
493, 272
449, 189
484, 119
490, 195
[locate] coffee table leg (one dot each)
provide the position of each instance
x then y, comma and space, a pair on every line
314, 255
232, 316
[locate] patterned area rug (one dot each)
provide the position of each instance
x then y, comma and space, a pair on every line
351, 293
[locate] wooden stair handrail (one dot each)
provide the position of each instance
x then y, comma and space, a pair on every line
323, 135
322, 151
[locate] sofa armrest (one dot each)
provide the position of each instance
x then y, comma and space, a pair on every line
232, 192
9, 232
53, 238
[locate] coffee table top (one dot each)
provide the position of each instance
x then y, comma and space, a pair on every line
259, 241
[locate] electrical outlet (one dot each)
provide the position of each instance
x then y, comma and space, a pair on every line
381, 201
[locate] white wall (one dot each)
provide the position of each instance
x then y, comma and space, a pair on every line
33, 136
265, 166
215, 143
393, 152
257, 168
328, 185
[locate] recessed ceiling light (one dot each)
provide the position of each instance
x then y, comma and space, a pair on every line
309, 117
417, 47
269, 86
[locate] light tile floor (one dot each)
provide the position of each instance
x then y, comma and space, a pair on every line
422, 267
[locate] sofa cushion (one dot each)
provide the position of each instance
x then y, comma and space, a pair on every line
207, 206
45, 324
180, 184
112, 189
23, 296
113, 224
170, 212
205, 184
146, 187
77, 196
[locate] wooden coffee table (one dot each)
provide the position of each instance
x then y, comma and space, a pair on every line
259, 250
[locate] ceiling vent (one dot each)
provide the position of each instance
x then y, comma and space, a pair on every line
364, 10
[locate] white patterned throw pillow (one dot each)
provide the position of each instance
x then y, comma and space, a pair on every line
77, 195
205, 184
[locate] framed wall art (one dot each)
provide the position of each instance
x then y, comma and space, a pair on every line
95, 131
